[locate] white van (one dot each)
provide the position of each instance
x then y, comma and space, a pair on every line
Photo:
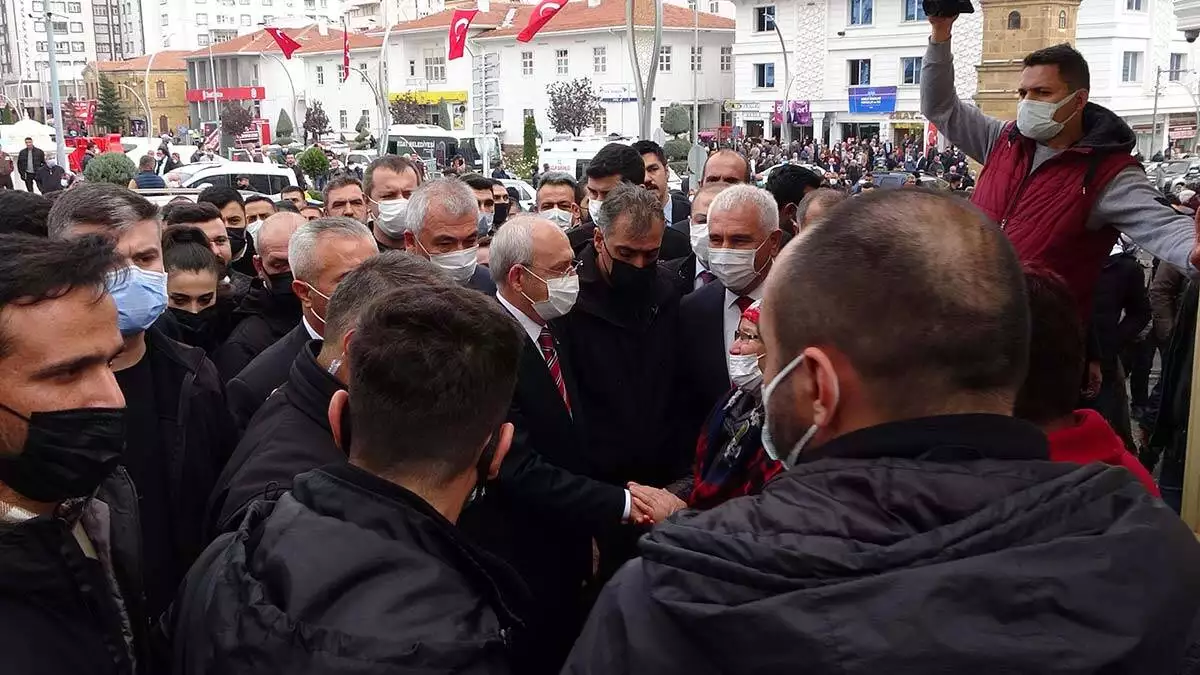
265, 179
572, 154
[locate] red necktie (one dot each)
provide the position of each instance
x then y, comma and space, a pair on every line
744, 302
707, 277
546, 342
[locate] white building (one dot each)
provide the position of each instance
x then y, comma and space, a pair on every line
193, 24
371, 14
78, 29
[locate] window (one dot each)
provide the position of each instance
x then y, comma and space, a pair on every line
202, 39
201, 19
1133, 5
526, 63
245, 19
600, 59
664, 59
600, 121
163, 19
764, 18
341, 73
342, 119
60, 7
39, 7
1131, 67
714, 7
562, 62
764, 75
914, 10
697, 59
691, 5
74, 7
269, 20
412, 68
861, 12
860, 72
77, 47
726, 59
76, 26
910, 70
361, 66
1062, 20
60, 26
320, 75
39, 27
365, 116
527, 113
160, 89
99, 10
1178, 66
1014, 20
435, 65
41, 46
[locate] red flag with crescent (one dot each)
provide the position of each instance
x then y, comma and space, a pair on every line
345, 52
542, 14
286, 44
459, 24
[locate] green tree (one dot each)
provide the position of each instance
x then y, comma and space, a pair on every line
235, 119
284, 127
313, 162
406, 109
530, 147
316, 122
677, 119
573, 105
110, 167
110, 117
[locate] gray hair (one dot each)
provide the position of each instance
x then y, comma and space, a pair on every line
748, 195
513, 245
146, 163
302, 246
112, 207
451, 193
641, 205
826, 198
558, 178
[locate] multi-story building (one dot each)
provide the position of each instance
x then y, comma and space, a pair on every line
158, 99
371, 14
193, 24
74, 47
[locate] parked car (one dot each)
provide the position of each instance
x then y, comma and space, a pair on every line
528, 195
1175, 172
266, 179
895, 179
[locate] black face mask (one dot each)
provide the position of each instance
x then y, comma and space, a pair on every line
281, 284
237, 239
67, 453
500, 215
199, 329
630, 280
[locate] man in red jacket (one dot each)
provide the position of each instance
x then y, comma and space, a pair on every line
1051, 389
1059, 180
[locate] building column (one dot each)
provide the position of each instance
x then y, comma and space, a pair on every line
818, 123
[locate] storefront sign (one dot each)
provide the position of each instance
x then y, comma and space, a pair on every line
617, 93
227, 94
435, 97
872, 99
748, 106
1177, 133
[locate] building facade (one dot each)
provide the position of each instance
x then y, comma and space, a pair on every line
157, 98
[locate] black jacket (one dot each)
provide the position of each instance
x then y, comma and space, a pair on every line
1120, 307
945, 544
249, 388
289, 435
675, 244
49, 178
481, 280
262, 320
57, 609
703, 363
347, 573
683, 273
39, 160
681, 211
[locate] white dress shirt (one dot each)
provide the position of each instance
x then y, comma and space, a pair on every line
533, 329
308, 327
733, 315
701, 268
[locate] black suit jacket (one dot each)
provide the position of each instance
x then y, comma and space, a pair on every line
703, 370
247, 391
681, 211
481, 281
684, 273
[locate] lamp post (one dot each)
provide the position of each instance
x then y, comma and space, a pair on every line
785, 129
1154, 115
645, 89
384, 111
291, 85
60, 146
146, 91
145, 103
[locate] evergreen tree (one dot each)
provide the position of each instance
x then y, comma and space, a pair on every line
284, 127
110, 117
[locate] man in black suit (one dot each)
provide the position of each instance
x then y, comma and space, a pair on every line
675, 205
29, 161
321, 252
692, 272
441, 225
744, 238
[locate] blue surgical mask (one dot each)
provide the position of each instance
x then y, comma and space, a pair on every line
140, 295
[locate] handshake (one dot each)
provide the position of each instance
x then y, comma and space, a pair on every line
650, 505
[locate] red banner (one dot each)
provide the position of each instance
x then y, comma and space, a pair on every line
85, 112
459, 23
286, 44
931, 138
227, 94
541, 16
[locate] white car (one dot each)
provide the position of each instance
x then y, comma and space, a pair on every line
265, 179
528, 195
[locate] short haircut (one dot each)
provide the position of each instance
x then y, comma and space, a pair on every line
189, 214
432, 373
372, 279
114, 207
710, 189
618, 159
33, 269
284, 206
1072, 67
561, 178
186, 249
254, 199
641, 205
647, 147
220, 196
302, 246
512, 245
1056, 352
146, 163
393, 163
748, 195
451, 193
724, 152
827, 198
22, 211
290, 189
927, 270
788, 183
337, 184
477, 182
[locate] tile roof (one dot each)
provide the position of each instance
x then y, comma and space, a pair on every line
310, 39
575, 15
164, 60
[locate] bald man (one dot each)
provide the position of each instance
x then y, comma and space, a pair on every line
725, 166
270, 309
920, 527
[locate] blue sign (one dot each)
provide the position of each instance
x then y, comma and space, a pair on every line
872, 99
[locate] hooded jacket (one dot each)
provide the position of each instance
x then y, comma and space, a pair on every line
262, 319
1091, 439
347, 573
945, 544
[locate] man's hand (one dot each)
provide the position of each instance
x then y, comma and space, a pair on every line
941, 27
652, 505
1095, 378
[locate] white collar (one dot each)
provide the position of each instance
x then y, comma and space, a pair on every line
731, 297
701, 268
532, 328
308, 327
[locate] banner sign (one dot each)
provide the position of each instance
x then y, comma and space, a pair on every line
227, 94
872, 99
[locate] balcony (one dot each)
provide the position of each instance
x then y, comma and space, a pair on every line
1187, 15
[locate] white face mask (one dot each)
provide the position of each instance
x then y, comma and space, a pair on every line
561, 295
744, 371
459, 264
768, 440
558, 217
594, 209
484, 224
734, 267
391, 217
699, 235
1035, 119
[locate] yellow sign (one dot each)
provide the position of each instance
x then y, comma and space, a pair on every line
435, 97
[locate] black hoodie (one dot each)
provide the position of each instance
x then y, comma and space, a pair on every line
262, 319
939, 545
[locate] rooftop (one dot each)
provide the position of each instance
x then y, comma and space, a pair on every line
574, 16
164, 60
310, 38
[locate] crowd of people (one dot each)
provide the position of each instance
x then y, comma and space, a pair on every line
627, 432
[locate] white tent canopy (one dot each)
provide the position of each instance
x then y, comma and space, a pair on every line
12, 136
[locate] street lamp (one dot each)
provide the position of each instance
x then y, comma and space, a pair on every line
1154, 115
145, 105
60, 145
291, 85
785, 129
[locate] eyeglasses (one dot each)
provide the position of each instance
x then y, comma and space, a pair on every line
571, 271
739, 335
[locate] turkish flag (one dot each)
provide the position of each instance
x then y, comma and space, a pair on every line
345, 55
458, 31
542, 14
286, 44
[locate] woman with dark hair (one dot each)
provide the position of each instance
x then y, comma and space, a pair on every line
193, 274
